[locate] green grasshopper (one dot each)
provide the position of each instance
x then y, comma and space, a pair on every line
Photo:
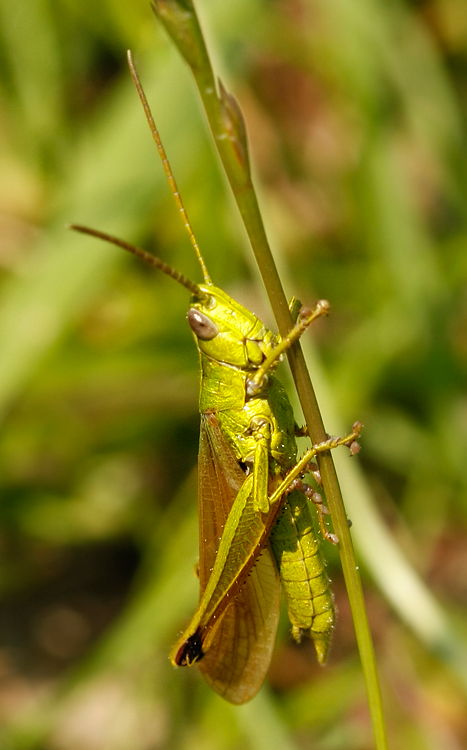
255, 527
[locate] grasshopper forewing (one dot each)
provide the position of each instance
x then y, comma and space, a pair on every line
248, 478
242, 639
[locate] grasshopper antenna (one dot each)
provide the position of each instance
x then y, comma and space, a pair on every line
167, 169
153, 260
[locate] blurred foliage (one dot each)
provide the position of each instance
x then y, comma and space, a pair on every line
356, 114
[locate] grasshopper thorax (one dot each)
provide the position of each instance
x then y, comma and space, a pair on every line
227, 332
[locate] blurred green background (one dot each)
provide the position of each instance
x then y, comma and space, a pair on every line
356, 113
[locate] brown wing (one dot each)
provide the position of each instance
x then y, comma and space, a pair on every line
241, 648
241, 644
219, 481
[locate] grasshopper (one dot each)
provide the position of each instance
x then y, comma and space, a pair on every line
255, 527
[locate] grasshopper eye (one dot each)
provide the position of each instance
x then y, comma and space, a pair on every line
202, 326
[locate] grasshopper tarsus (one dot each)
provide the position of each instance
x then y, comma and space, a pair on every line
307, 316
354, 447
315, 473
318, 501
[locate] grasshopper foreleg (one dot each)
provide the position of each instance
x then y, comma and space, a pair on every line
304, 319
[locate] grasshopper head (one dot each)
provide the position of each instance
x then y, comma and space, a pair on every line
227, 332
